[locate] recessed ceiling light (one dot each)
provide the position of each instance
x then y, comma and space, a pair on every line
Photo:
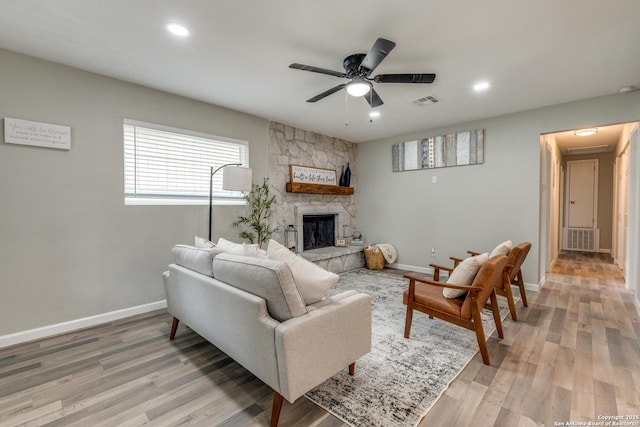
177, 29
374, 114
479, 87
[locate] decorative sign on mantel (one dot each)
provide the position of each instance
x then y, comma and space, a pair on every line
311, 175
26, 132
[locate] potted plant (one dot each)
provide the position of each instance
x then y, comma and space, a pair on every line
257, 222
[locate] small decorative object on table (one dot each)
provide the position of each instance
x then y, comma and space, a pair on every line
374, 258
356, 239
341, 242
291, 238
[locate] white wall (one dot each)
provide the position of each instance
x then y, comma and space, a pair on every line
472, 207
69, 247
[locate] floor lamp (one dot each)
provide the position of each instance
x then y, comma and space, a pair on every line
233, 179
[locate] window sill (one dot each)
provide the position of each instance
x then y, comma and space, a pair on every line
182, 202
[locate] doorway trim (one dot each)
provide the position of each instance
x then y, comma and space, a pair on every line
632, 273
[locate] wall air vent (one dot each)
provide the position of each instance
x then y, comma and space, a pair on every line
429, 99
589, 150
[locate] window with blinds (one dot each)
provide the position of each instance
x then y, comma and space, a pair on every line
172, 166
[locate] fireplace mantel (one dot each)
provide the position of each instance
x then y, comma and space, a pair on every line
299, 187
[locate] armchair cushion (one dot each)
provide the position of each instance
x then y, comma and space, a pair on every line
502, 249
432, 296
464, 274
313, 281
199, 260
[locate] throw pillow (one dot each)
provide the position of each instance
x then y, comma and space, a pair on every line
197, 259
464, 274
312, 280
204, 243
502, 249
230, 247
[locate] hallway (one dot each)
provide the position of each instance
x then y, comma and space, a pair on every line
574, 356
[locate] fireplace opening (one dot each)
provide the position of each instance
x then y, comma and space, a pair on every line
318, 231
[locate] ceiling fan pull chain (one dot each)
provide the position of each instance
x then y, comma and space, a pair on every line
346, 108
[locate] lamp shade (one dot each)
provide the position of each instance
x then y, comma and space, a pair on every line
236, 179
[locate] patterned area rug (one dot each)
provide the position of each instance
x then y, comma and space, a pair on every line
398, 381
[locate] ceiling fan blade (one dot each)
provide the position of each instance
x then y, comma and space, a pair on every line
317, 70
326, 93
404, 78
373, 99
377, 53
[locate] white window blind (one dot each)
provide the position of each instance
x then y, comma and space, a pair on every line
166, 164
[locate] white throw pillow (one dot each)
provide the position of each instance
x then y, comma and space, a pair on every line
196, 259
502, 249
312, 280
204, 243
230, 247
464, 274
254, 251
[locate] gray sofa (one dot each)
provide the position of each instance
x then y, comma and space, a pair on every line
251, 309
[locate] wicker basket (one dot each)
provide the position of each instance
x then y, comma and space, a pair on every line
374, 258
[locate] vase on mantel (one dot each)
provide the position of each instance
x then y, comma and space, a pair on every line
347, 176
341, 182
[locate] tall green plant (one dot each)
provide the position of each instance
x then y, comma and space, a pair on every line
258, 227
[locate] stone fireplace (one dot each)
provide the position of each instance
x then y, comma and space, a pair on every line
289, 145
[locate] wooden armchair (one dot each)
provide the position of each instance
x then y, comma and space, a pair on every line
426, 296
516, 257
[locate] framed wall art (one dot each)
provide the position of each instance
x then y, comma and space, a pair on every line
455, 149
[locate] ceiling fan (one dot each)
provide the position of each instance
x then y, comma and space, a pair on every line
358, 67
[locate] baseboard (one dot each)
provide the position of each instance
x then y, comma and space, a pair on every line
426, 270
533, 287
73, 325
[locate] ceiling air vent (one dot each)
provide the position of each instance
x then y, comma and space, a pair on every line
425, 100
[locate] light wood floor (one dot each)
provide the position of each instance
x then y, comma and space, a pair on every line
574, 355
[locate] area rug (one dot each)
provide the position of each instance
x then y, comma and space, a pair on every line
400, 379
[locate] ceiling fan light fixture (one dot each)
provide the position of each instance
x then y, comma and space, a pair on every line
586, 132
358, 88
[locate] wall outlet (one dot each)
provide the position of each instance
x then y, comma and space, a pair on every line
433, 252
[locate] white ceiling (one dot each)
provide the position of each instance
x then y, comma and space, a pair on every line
534, 53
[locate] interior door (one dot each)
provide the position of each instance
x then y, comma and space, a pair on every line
582, 194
